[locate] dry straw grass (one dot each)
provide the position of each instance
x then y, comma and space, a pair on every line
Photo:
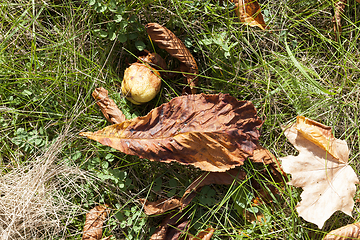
35, 201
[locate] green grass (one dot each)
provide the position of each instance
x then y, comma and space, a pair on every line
53, 54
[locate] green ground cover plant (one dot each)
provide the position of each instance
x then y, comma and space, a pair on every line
53, 54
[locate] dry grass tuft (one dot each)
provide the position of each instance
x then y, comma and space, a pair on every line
35, 200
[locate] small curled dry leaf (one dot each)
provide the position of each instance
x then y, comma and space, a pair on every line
154, 59
204, 235
107, 106
249, 12
351, 231
94, 221
167, 40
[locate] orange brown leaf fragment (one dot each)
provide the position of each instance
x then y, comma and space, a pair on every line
107, 106
321, 169
93, 224
249, 12
167, 40
204, 235
172, 227
339, 11
212, 132
351, 231
159, 207
222, 178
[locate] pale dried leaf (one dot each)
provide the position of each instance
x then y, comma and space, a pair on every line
319, 173
167, 40
212, 132
93, 224
249, 12
351, 231
107, 106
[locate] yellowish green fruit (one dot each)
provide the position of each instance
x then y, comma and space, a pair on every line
141, 83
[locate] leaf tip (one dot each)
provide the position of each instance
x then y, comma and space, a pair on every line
85, 134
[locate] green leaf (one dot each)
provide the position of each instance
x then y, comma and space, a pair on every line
122, 38
123, 24
101, 8
105, 165
118, 18
171, 193
112, 36
26, 93
112, 6
140, 45
132, 36
92, 2
172, 183
188, 42
103, 34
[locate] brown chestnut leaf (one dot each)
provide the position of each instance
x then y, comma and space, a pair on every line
212, 132
93, 224
249, 12
351, 231
167, 40
107, 106
321, 169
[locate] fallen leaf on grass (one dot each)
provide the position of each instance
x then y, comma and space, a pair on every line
339, 10
107, 106
93, 224
212, 132
249, 12
167, 40
351, 231
160, 206
221, 178
204, 235
164, 205
321, 169
171, 227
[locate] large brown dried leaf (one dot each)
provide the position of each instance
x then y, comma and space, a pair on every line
321, 169
212, 132
167, 40
108, 106
93, 224
351, 231
249, 12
